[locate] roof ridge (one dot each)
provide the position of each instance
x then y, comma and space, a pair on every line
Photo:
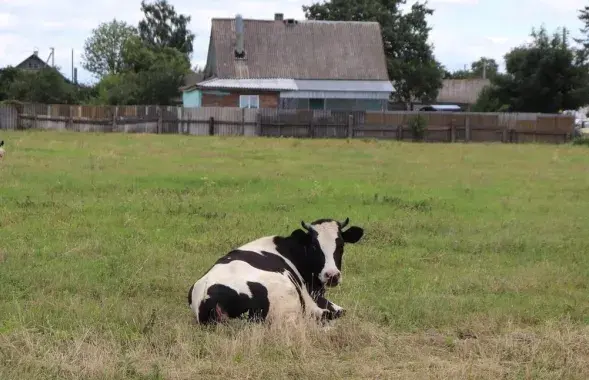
298, 20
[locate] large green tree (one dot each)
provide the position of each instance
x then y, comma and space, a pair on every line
163, 27
151, 75
103, 49
411, 64
546, 75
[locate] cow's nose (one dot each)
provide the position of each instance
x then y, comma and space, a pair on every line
332, 277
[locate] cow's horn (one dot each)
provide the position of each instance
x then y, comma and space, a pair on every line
344, 223
305, 225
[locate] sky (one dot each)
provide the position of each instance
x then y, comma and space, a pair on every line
462, 30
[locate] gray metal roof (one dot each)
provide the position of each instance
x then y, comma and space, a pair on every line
335, 94
344, 85
341, 89
250, 84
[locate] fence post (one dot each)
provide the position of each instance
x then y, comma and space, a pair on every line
159, 120
452, 132
243, 121
114, 118
350, 126
400, 132
258, 123
70, 120
211, 126
504, 135
467, 129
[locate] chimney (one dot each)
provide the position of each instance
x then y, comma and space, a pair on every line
239, 49
278, 16
36, 52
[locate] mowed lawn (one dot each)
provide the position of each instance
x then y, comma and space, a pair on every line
474, 264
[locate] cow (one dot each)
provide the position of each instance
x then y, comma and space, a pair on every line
2, 151
276, 276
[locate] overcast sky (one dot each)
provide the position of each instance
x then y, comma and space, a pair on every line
463, 30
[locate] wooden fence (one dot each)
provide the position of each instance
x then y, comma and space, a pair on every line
439, 126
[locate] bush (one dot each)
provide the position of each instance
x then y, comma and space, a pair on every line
418, 125
581, 140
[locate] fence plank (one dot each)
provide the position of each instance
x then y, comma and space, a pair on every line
234, 121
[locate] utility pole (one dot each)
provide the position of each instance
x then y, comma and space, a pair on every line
52, 56
484, 69
73, 65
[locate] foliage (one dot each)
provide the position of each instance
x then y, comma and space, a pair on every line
8, 75
411, 63
581, 140
103, 49
418, 124
46, 85
546, 75
162, 27
487, 66
489, 100
151, 75
459, 271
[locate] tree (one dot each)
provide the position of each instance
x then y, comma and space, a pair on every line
547, 75
150, 75
484, 67
411, 64
8, 75
163, 27
584, 41
103, 49
43, 86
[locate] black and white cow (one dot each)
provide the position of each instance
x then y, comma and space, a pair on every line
275, 276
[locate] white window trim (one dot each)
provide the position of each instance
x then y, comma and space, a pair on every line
249, 101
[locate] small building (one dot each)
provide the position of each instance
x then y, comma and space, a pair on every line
191, 95
293, 64
461, 92
35, 63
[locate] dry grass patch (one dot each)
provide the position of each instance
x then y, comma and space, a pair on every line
352, 349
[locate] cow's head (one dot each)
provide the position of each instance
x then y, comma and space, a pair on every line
326, 239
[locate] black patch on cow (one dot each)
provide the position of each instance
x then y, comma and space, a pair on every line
266, 261
190, 295
234, 304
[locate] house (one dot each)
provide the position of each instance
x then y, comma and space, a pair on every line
454, 92
462, 92
292, 64
191, 95
34, 63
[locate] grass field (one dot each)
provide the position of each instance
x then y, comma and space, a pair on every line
474, 263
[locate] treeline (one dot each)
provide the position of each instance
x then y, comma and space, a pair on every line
142, 64
147, 63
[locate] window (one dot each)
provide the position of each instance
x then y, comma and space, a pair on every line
249, 101
316, 104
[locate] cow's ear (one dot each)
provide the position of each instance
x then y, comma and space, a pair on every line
299, 235
353, 234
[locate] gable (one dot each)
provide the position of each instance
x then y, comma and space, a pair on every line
33, 62
301, 50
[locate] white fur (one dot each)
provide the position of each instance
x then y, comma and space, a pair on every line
2, 152
326, 235
282, 293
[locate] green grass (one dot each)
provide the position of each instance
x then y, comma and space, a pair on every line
474, 263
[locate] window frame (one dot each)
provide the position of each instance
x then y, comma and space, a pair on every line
249, 101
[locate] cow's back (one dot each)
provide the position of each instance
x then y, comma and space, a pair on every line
246, 281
